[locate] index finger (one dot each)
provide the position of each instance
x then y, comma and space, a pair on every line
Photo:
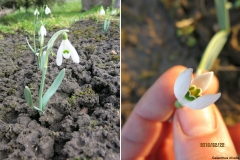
144, 126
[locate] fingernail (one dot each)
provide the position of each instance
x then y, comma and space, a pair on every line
197, 122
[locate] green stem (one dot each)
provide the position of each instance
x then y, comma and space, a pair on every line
177, 104
41, 88
40, 53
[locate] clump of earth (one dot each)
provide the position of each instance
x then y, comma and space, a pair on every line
81, 120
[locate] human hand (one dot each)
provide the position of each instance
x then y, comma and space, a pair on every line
149, 135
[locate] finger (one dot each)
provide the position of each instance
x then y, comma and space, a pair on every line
193, 129
144, 126
234, 132
163, 149
213, 87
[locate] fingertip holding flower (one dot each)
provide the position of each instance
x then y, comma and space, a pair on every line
189, 92
66, 50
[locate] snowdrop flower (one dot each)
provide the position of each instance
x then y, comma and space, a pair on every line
43, 31
66, 50
189, 93
102, 12
36, 12
47, 10
114, 12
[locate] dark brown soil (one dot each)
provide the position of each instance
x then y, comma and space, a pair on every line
152, 43
82, 119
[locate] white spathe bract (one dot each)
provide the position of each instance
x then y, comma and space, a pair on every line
188, 92
102, 11
43, 31
66, 50
36, 12
47, 10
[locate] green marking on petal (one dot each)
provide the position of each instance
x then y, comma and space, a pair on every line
193, 93
192, 88
198, 92
66, 52
189, 97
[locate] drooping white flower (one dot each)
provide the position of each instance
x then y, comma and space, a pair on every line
43, 31
102, 11
47, 10
114, 12
36, 12
188, 92
66, 50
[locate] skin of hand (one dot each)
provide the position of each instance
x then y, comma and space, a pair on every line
148, 134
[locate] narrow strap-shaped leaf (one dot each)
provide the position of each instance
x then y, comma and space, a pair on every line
106, 25
53, 88
43, 60
212, 51
28, 96
30, 46
222, 14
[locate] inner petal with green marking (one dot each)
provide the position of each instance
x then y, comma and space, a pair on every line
193, 93
66, 51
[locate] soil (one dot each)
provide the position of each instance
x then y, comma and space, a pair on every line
151, 35
82, 119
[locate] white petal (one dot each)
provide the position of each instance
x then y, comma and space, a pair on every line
43, 31
203, 81
74, 54
202, 102
47, 10
59, 54
102, 12
66, 46
182, 84
36, 12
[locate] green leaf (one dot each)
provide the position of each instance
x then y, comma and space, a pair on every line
212, 51
51, 42
222, 14
28, 96
106, 25
43, 60
30, 46
53, 88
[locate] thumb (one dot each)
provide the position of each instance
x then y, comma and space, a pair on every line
201, 134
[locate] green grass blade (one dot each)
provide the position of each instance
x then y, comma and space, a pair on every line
212, 51
222, 14
28, 96
53, 88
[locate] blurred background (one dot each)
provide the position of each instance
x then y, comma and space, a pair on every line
158, 34
17, 15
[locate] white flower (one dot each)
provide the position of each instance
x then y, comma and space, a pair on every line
114, 12
188, 93
47, 10
36, 12
43, 31
66, 50
102, 12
